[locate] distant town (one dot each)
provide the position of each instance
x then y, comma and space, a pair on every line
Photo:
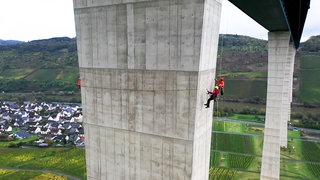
41, 124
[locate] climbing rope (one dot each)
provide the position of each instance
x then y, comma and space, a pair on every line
220, 70
221, 54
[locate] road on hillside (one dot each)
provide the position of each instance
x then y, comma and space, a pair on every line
238, 121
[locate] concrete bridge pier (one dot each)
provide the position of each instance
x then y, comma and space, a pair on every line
287, 94
279, 95
145, 66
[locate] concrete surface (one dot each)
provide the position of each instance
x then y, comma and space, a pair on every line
145, 66
280, 57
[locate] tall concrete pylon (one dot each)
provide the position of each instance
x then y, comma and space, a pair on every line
144, 66
279, 95
287, 94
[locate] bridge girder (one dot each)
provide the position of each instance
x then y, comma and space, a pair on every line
277, 15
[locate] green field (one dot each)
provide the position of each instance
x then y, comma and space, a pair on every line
310, 79
310, 62
50, 85
16, 142
15, 73
245, 88
249, 75
24, 175
250, 85
66, 75
44, 75
248, 117
239, 106
233, 156
236, 156
68, 161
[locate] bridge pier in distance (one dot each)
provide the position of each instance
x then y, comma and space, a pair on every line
281, 53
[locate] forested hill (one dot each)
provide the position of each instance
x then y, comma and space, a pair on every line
249, 44
236, 53
241, 54
244, 54
9, 42
41, 70
49, 53
244, 61
312, 45
51, 66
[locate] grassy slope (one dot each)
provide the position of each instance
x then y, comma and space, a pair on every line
69, 161
30, 139
67, 74
293, 160
21, 175
246, 85
310, 79
243, 63
245, 88
47, 66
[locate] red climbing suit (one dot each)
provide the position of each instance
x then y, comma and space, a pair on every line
79, 83
220, 83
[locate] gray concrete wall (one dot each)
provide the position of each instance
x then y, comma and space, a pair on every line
287, 94
144, 66
280, 68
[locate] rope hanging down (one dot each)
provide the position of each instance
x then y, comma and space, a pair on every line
221, 54
219, 83
220, 69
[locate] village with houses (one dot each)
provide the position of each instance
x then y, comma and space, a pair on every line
43, 124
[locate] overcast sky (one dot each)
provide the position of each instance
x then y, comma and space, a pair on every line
28, 20
234, 21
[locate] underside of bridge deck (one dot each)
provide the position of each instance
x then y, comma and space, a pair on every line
277, 15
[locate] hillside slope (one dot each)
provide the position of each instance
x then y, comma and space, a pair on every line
9, 42
243, 62
241, 54
50, 66
44, 67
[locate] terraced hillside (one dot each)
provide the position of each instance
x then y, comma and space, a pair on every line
50, 68
38, 70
